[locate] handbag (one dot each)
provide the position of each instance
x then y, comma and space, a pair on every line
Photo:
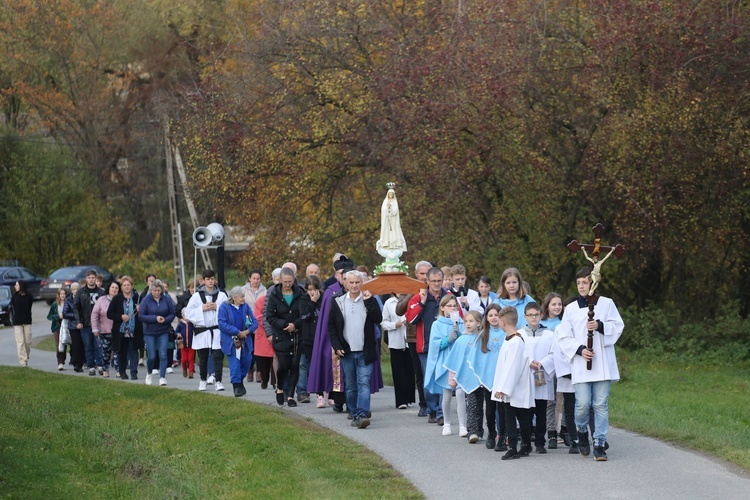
64, 336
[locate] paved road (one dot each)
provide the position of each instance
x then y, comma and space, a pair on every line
638, 467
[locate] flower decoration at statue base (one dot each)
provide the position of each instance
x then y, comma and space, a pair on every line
391, 267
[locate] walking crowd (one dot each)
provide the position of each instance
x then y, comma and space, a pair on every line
516, 368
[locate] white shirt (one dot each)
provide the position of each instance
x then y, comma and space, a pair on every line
195, 314
396, 336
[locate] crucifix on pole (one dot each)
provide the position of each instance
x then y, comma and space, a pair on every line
596, 272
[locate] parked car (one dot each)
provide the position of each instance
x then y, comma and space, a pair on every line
63, 277
5, 292
9, 276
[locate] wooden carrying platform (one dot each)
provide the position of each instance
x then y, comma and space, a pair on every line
386, 283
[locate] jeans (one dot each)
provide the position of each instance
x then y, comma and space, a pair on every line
93, 354
593, 395
304, 369
434, 401
154, 344
128, 356
357, 395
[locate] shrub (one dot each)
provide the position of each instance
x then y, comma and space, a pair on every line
139, 266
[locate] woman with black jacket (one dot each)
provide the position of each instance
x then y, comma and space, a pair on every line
283, 315
127, 334
21, 303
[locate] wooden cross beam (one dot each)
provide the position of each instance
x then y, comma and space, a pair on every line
596, 247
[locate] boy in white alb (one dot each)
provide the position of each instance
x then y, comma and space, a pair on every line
539, 341
514, 385
591, 386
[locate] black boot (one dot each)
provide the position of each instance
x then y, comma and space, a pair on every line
237, 390
490, 443
573, 448
584, 447
242, 388
500, 444
552, 440
564, 435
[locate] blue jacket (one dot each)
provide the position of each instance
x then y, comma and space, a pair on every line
232, 320
150, 309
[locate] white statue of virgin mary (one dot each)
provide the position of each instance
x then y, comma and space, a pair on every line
391, 243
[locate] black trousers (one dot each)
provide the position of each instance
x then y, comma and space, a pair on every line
495, 426
418, 375
402, 368
474, 412
203, 362
540, 429
523, 415
569, 411
77, 350
287, 373
265, 368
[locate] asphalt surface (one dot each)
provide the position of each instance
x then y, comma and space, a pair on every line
638, 466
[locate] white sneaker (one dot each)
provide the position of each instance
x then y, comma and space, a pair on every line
202, 385
149, 381
61, 367
170, 370
447, 430
162, 381
463, 432
219, 387
211, 380
154, 372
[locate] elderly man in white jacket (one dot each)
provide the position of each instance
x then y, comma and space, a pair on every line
203, 312
591, 386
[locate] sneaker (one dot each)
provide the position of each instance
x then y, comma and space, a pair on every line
291, 402
202, 385
242, 388
124, 376
219, 386
573, 449
211, 380
584, 447
525, 450
441, 421
331, 402
154, 372
462, 432
162, 381
61, 367
402, 407
355, 422
473, 438
599, 454
237, 390
432, 419
141, 362
170, 370
447, 430
303, 398
149, 380
92, 372
337, 408
105, 374
540, 449
501, 444
363, 423
511, 454
422, 412
320, 402
100, 370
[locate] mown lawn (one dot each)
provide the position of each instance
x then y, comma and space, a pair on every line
64, 437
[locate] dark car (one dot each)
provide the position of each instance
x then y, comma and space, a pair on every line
9, 276
5, 292
63, 277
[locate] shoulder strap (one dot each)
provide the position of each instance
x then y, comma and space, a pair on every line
202, 294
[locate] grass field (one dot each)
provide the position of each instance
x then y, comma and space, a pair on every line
64, 437
696, 406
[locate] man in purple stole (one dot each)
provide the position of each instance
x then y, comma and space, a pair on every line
325, 373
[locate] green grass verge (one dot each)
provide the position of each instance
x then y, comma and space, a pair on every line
697, 406
64, 437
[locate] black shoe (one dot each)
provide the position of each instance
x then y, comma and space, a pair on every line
237, 390
552, 441
565, 437
501, 445
291, 402
422, 412
369, 414
584, 447
432, 419
264, 385
490, 443
338, 408
573, 449
606, 446
77, 369
525, 450
133, 376
511, 454
363, 423
242, 388
540, 449
441, 421
124, 376
599, 454
280, 398
303, 398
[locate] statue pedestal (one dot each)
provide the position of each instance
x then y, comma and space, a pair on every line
386, 283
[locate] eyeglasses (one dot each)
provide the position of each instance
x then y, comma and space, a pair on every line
533, 315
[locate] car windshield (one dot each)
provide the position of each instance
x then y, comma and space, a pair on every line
66, 273
4, 293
